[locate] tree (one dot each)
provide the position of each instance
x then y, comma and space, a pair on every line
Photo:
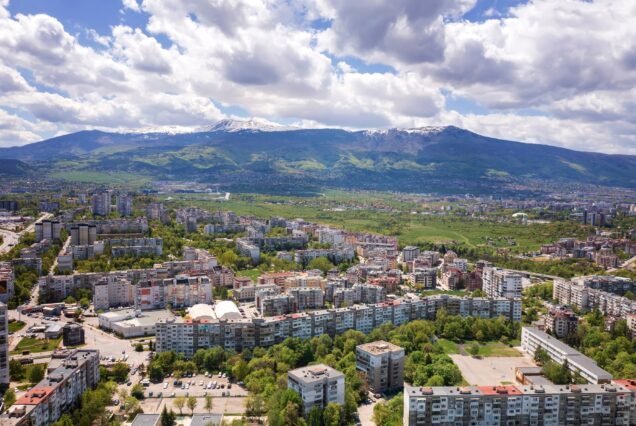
314, 418
16, 370
139, 347
167, 417
473, 349
65, 420
321, 263
36, 373
120, 372
208, 403
541, 356
9, 397
137, 391
192, 404
331, 415
131, 405
123, 394
179, 402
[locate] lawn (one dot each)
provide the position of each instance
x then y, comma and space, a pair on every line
16, 326
449, 346
494, 349
36, 345
252, 274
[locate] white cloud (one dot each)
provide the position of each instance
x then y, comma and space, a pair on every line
556, 72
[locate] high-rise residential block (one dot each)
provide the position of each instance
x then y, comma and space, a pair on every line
318, 385
383, 364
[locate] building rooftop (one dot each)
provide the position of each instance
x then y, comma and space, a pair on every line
314, 373
379, 347
204, 420
146, 420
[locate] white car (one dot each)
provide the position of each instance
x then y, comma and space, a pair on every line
165, 385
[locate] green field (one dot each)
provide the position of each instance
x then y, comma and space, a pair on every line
390, 215
102, 178
16, 326
494, 349
252, 274
449, 346
36, 345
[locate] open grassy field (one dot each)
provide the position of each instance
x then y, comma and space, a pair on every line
384, 215
252, 274
494, 349
449, 346
102, 178
16, 326
36, 345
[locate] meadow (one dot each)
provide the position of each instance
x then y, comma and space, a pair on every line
385, 214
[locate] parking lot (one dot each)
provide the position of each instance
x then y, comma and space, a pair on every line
198, 385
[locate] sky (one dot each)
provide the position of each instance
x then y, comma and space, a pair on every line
541, 71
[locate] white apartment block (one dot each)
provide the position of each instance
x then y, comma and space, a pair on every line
501, 283
533, 338
318, 385
548, 405
58, 393
383, 364
112, 292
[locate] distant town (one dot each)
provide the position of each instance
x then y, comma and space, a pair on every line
204, 307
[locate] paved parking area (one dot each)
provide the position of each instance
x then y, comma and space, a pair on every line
195, 386
490, 370
231, 405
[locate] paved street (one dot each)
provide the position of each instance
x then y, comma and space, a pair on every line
11, 238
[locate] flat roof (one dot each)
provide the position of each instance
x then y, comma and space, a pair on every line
379, 347
314, 373
205, 419
145, 420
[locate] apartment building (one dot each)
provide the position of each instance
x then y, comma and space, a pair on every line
248, 249
248, 293
186, 336
7, 281
307, 298
57, 287
343, 297
179, 292
594, 292
47, 230
101, 203
335, 255
136, 247
124, 205
533, 338
425, 278
318, 385
501, 283
275, 304
333, 237
4, 345
49, 206
58, 393
113, 291
83, 234
561, 322
383, 364
368, 293
548, 405
410, 253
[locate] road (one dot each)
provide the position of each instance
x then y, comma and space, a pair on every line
624, 265
11, 238
62, 250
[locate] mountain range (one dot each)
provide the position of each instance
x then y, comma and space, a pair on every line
260, 156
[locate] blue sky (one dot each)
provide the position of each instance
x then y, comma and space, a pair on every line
561, 73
